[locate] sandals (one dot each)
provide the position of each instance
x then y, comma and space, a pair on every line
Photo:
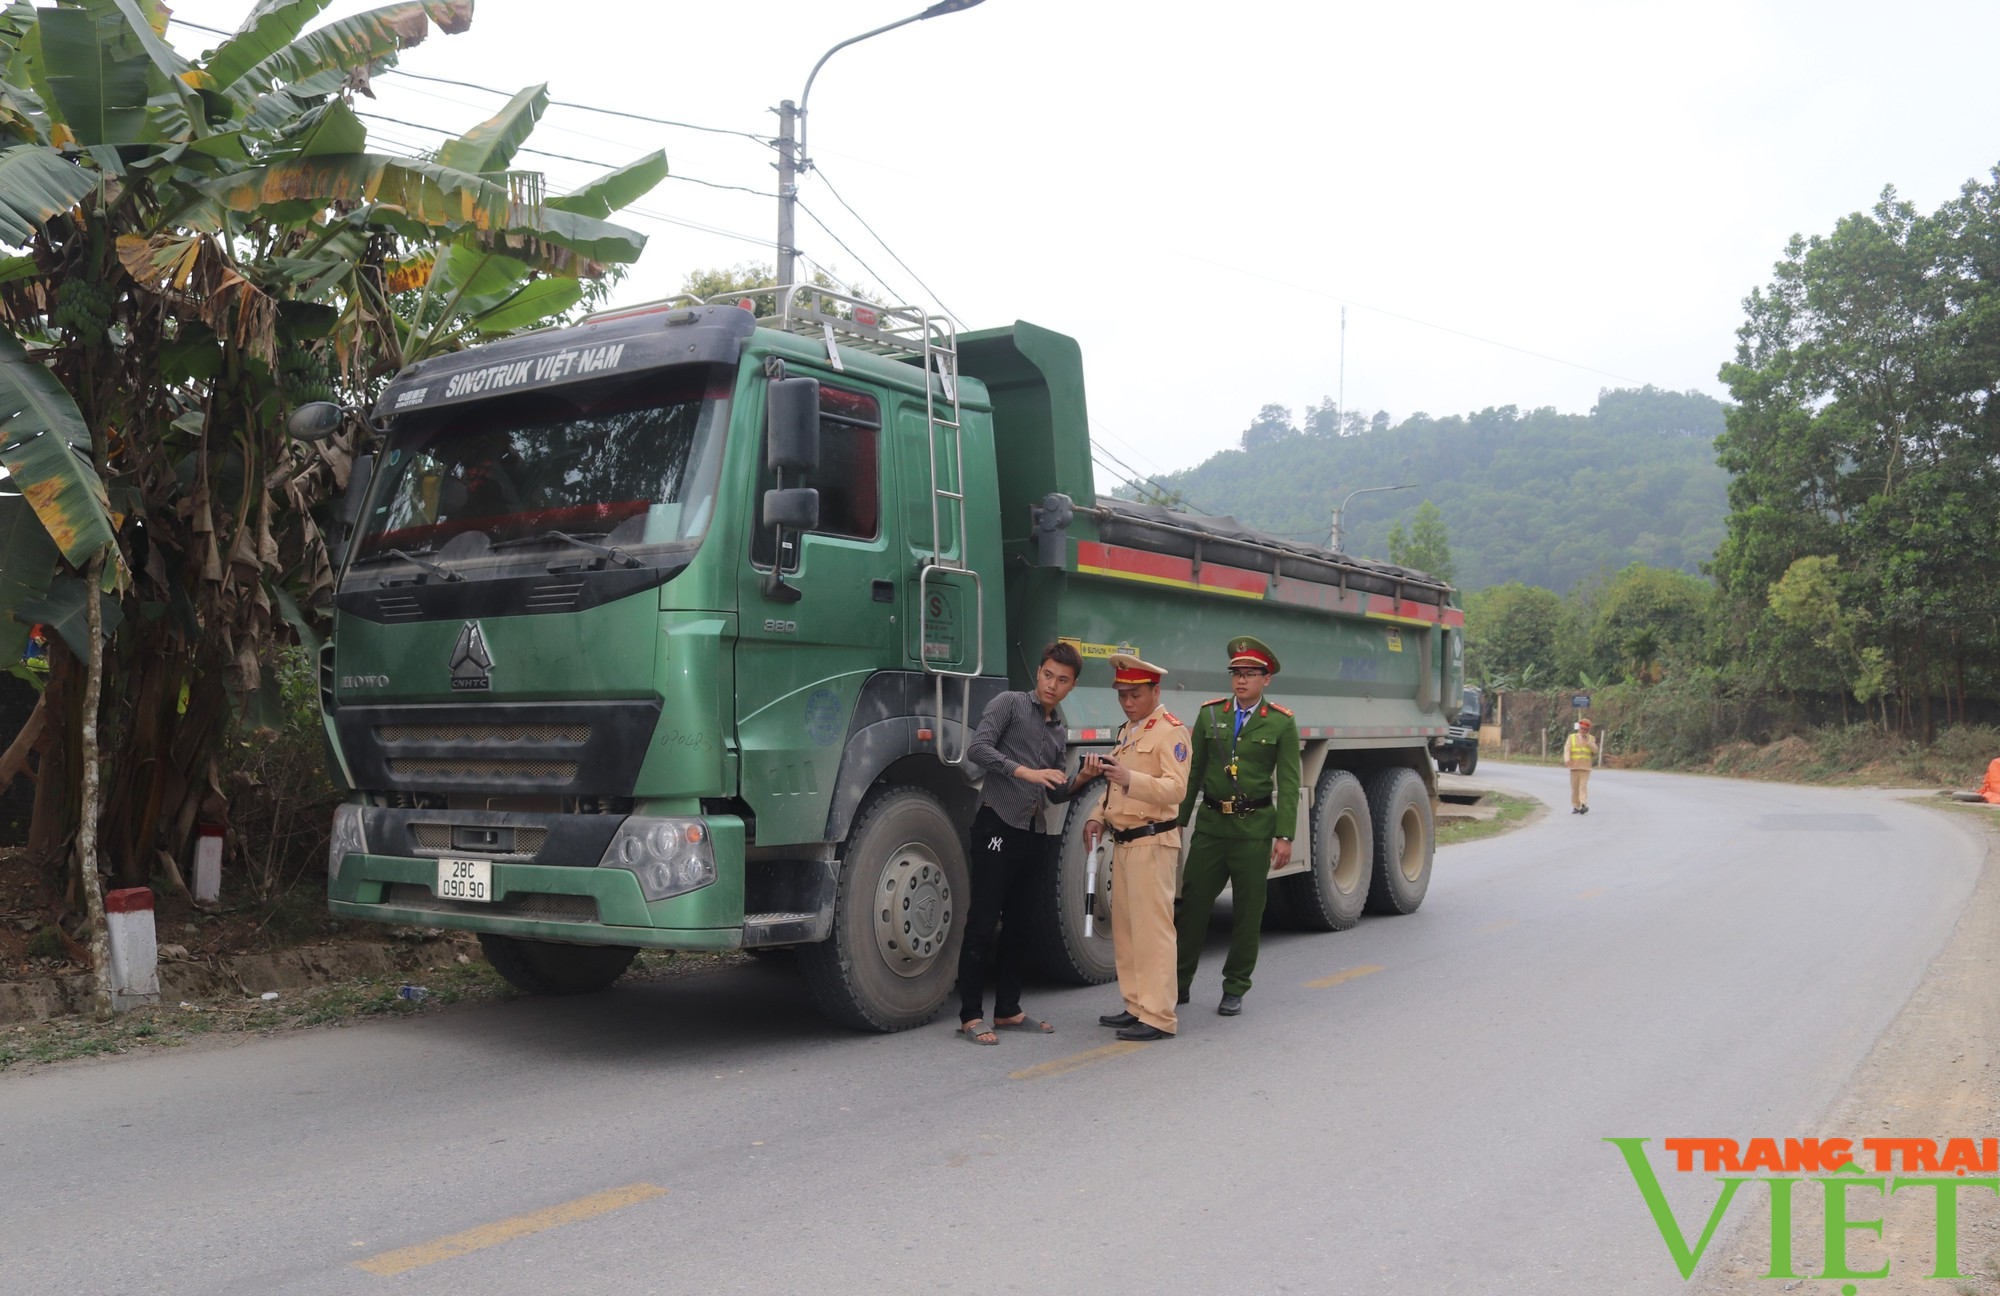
967, 1031
1027, 1024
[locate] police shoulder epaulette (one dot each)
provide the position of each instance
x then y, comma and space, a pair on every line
1281, 710
1216, 701
1172, 719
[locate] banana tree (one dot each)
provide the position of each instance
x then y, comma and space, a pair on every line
191, 246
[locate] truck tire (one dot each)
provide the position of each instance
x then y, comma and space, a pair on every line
546, 968
1468, 761
1052, 928
1405, 840
898, 917
1330, 896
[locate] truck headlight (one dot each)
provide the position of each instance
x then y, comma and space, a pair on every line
670, 857
348, 838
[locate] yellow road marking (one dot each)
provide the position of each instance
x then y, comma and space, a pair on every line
391, 1263
1062, 1066
1593, 893
1327, 983
1501, 925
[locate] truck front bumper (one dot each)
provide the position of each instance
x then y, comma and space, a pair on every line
577, 905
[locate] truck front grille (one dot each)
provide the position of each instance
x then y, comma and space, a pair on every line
541, 906
482, 769
435, 839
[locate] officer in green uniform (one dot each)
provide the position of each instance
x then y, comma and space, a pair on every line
1245, 776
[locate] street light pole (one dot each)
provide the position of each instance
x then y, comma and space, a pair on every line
793, 161
1333, 540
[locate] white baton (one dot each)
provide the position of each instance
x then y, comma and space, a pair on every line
1090, 887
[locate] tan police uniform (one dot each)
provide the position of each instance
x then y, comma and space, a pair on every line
1143, 870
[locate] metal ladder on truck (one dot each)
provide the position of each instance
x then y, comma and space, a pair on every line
907, 333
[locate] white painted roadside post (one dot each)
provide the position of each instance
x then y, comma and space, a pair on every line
208, 864
135, 951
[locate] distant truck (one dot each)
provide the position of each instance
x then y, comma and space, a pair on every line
668, 630
1458, 751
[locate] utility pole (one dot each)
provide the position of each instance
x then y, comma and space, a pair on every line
793, 160
1333, 539
1340, 398
788, 186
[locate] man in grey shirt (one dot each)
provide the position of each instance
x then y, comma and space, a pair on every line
1022, 745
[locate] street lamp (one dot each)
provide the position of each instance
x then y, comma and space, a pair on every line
1333, 541
792, 158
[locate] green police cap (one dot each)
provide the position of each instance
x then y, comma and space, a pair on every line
1247, 651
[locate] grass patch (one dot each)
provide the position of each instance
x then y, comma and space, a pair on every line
1513, 812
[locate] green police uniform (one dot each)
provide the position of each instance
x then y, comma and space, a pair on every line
1258, 764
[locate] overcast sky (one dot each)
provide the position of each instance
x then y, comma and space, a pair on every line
1519, 204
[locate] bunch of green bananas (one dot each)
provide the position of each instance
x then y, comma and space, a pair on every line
305, 375
83, 307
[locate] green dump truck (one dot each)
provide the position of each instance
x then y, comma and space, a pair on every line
668, 631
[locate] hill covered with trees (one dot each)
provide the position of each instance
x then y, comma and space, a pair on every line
1542, 498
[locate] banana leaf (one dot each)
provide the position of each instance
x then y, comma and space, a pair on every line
615, 189
28, 562
94, 89
65, 613
534, 303
43, 441
490, 146
272, 25
353, 42
37, 183
424, 192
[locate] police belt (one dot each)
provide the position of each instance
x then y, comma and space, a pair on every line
1124, 835
1238, 805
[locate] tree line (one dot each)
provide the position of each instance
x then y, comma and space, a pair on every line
1544, 498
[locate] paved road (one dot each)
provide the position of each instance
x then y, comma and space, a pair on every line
1696, 957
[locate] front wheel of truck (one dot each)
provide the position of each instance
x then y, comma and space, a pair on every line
905, 893
1468, 761
545, 968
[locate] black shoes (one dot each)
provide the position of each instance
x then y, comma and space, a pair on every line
1118, 1019
1141, 1031
1230, 1006
1583, 809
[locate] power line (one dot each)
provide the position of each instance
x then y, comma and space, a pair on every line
886, 248
1407, 319
880, 279
554, 103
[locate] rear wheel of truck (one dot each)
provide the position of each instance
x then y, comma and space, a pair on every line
545, 968
1053, 924
1468, 762
1330, 896
1400, 807
892, 957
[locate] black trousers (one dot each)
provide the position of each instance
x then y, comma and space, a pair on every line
1006, 862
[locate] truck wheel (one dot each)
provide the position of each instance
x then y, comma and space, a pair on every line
1400, 807
1446, 765
892, 958
546, 968
1330, 896
1053, 925
1468, 761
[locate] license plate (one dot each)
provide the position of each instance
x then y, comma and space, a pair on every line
463, 879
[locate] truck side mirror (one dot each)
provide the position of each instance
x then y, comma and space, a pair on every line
791, 424
359, 478
794, 509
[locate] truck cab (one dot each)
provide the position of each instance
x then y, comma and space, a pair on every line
1458, 751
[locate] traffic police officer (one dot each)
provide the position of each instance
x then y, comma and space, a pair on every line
1245, 776
1147, 774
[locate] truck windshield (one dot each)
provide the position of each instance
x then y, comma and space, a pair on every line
620, 473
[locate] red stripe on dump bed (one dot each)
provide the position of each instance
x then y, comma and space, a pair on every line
1166, 569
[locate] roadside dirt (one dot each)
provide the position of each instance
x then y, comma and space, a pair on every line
1935, 1073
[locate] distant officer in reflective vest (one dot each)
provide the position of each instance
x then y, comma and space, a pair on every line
1245, 778
1147, 773
1578, 753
